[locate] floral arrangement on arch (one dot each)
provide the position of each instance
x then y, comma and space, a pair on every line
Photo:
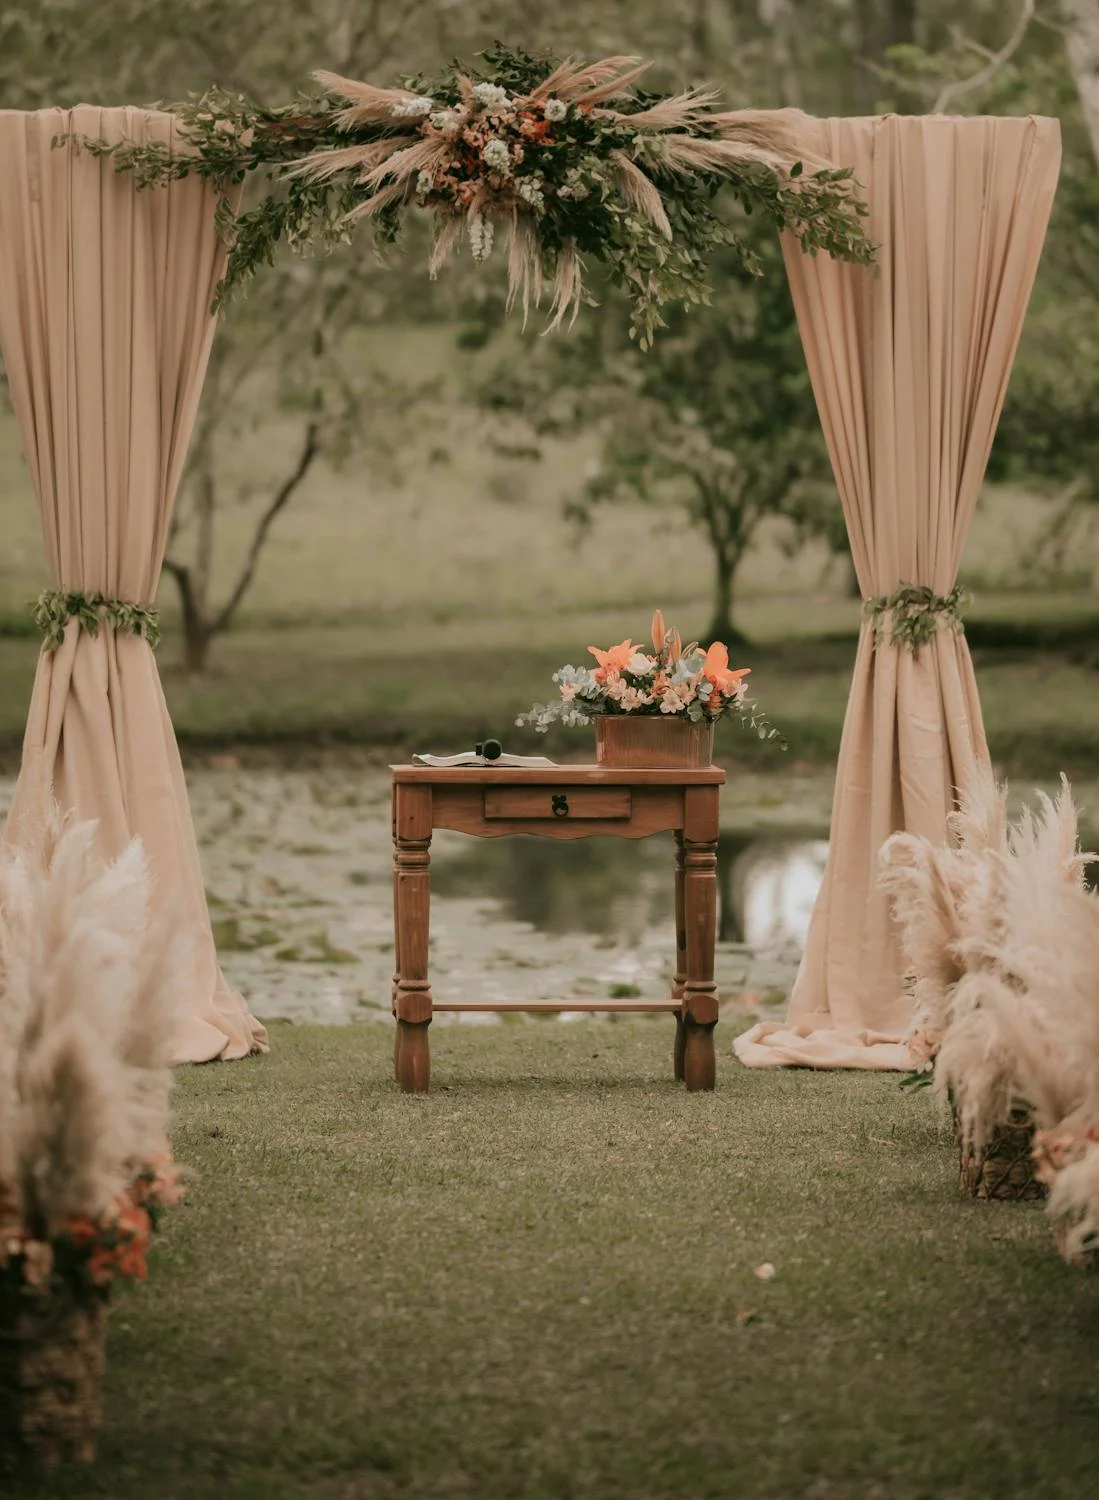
567, 160
689, 683
88, 984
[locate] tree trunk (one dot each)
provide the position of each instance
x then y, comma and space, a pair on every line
196, 649
899, 25
1081, 27
726, 562
785, 26
881, 24
198, 632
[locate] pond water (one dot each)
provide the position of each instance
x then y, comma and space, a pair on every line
299, 882
767, 883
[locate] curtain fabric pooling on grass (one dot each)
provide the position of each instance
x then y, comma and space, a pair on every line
105, 327
909, 365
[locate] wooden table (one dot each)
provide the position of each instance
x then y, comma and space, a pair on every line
559, 802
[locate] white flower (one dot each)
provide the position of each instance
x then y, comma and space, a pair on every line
582, 678
640, 665
496, 155
446, 121
530, 190
414, 104
491, 95
574, 186
556, 109
676, 698
480, 231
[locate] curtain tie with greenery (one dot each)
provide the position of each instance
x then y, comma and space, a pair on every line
53, 610
911, 616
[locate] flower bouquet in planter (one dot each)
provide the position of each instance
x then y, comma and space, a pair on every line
653, 708
86, 985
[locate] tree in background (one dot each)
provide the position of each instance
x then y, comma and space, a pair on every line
287, 355
716, 421
291, 355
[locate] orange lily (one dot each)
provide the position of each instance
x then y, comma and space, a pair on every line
613, 660
716, 669
659, 632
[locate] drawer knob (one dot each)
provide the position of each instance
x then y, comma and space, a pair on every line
560, 804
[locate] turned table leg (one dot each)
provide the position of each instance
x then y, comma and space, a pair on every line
411, 909
700, 1006
680, 978
396, 951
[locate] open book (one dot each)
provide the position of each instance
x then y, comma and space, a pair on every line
470, 758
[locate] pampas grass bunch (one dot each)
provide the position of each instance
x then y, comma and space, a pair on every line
88, 977
941, 897
1003, 937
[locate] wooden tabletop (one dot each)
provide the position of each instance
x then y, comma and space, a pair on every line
566, 775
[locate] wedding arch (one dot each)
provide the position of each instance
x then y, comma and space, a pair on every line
108, 298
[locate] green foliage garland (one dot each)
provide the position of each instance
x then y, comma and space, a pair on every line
911, 616
573, 160
54, 609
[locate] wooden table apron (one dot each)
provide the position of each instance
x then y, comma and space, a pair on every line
560, 802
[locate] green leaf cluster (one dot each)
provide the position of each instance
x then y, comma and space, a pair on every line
911, 616
54, 609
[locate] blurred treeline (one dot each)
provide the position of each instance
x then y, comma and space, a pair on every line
698, 426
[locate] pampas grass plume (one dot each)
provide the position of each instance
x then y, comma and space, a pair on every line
89, 981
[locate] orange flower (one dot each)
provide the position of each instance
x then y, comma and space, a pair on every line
659, 633
716, 669
101, 1266
81, 1229
133, 1230
614, 660
674, 644
131, 1260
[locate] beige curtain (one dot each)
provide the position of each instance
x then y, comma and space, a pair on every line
106, 330
909, 368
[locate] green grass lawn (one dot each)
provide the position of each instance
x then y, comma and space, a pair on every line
538, 1283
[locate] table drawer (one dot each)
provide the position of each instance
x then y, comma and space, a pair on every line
557, 802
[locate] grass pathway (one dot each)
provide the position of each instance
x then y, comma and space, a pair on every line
539, 1283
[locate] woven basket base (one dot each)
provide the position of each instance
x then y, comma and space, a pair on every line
1005, 1170
52, 1357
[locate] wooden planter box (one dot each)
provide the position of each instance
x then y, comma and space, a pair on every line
53, 1350
652, 742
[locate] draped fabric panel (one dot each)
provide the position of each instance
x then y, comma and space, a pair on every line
105, 328
909, 366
